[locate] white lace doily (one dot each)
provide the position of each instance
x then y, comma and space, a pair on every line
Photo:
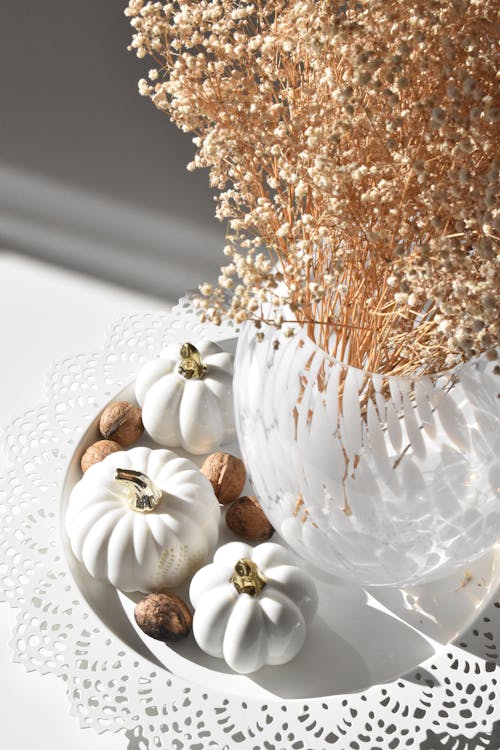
449, 702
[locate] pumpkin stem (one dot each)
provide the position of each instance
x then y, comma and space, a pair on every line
144, 494
247, 578
191, 366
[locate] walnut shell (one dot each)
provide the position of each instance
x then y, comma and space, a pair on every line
97, 451
165, 617
247, 520
122, 422
227, 474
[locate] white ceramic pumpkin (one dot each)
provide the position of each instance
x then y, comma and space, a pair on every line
143, 519
252, 605
186, 396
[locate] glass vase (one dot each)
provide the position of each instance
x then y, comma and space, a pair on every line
383, 480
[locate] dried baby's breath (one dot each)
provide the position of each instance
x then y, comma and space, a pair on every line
354, 153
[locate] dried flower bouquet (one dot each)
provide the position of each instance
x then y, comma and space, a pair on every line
353, 148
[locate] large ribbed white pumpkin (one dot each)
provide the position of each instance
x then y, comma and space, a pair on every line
188, 401
143, 551
252, 606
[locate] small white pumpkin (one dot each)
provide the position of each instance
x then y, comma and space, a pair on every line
186, 397
143, 519
252, 605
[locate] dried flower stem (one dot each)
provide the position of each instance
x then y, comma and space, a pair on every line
354, 151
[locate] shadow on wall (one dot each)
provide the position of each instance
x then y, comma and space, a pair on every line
97, 235
91, 175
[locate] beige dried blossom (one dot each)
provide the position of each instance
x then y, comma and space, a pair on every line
354, 151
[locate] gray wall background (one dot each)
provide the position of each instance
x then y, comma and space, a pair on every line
92, 176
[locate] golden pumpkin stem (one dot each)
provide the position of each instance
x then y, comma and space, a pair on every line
247, 578
191, 366
144, 494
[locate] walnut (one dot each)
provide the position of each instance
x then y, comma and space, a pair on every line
227, 474
122, 422
165, 617
247, 520
97, 452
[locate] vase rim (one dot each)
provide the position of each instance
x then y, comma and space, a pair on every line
446, 373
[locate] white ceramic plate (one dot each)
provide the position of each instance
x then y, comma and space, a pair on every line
361, 637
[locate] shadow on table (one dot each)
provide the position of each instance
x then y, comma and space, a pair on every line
480, 741
441, 741
481, 638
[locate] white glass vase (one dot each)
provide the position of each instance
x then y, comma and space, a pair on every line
384, 480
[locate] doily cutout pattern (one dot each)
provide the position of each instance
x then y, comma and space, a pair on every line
449, 702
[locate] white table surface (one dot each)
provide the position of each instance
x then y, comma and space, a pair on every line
45, 314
